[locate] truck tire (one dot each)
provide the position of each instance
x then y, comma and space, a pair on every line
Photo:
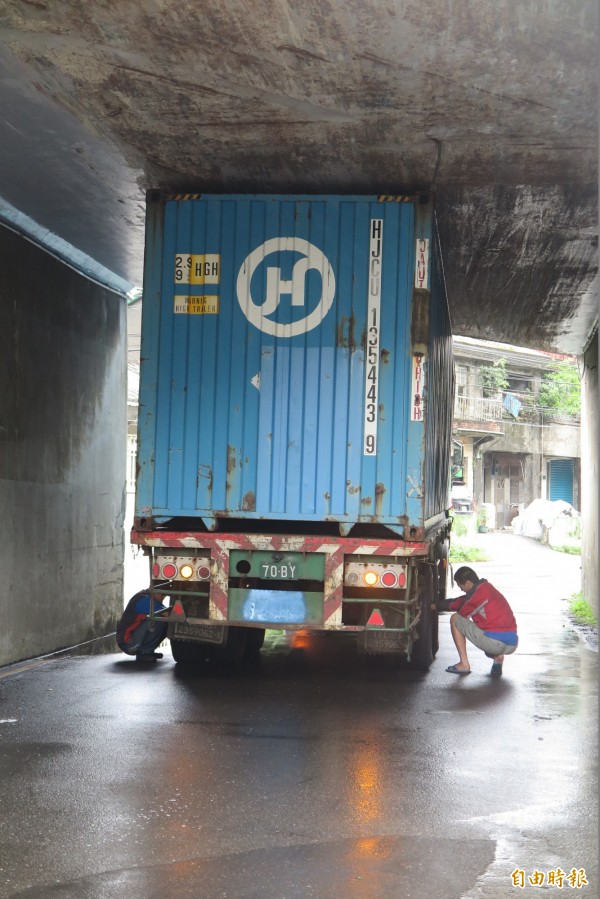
422, 653
435, 632
188, 654
442, 573
231, 653
255, 638
443, 570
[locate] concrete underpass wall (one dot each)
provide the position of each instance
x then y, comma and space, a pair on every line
62, 453
589, 474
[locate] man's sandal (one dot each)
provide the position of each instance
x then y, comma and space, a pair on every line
454, 670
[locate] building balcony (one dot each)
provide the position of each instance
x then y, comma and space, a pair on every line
485, 412
477, 408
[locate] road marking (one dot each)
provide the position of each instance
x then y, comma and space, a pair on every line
22, 668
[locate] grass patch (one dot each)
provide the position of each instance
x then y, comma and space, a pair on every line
462, 524
570, 550
581, 611
460, 552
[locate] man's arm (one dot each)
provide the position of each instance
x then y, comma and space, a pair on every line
452, 604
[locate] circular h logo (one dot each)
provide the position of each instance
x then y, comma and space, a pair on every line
276, 287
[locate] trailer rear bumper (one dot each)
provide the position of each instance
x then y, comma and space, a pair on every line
279, 581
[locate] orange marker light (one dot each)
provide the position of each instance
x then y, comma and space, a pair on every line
370, 578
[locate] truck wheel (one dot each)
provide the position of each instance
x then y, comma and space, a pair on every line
255, 637
435, 632
189, 655
443, 570
422, 653
231, 653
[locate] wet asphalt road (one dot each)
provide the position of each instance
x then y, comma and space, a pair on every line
312, 775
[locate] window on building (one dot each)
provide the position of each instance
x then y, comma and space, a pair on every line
518, 385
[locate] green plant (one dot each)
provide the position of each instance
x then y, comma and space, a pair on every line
561, 389
461, 525
567, 548
581, 611
494, 378
460, 552
482, 517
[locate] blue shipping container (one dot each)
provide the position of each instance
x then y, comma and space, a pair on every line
296, 361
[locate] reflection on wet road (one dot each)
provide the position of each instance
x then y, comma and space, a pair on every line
312, 774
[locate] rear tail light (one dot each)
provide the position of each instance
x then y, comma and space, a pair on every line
184, 567
389, 579
370, 578
374, 574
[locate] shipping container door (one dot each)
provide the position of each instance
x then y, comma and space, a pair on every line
267, 405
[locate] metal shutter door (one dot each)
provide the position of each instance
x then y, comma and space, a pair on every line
561, 480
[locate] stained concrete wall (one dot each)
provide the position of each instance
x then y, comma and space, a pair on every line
62, 452
553, 439
589, 473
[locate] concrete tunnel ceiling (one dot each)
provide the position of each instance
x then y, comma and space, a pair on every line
490, 103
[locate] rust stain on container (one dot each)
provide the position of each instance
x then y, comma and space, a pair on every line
363, 339
345, 332
231, 459
231, 467
379, 494
249, 501
205, 471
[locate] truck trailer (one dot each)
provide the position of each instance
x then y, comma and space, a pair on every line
295, 420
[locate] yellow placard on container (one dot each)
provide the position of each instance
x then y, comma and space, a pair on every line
198, 269
196, 305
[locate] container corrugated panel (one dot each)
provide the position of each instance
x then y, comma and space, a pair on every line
276, 372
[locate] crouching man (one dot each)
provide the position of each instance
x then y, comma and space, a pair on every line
483, 616
139, 635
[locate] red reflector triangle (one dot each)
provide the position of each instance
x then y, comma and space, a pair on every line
177, 609
375, 619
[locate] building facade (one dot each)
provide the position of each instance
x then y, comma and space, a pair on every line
509, 448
